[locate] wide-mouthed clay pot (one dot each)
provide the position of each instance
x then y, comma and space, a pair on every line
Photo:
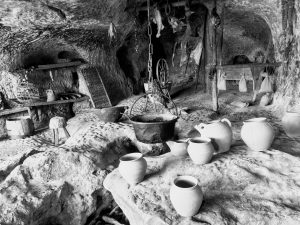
133, 167
219, 131
200, 150
291, 124
178, 147
257, 134
186, 196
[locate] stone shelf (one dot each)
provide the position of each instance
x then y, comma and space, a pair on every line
26, 107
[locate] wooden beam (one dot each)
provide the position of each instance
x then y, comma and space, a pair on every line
59, 65
12, 111
56, 102
259, 65
213, 39
173, 4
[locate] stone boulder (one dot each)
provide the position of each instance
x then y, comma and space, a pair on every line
57, 185
43, 184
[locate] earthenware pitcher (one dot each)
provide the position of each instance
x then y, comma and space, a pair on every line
219, 131
133, 167
257, 134
178, 147
200, 150
291, 124
50, 95
186, 196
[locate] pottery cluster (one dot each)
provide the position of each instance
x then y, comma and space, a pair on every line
216, 137
199, 149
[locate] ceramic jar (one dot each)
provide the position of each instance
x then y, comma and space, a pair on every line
178, 147
219, 131
186, 196
133, 167
291, 124
50, 95
257, 134
200, 150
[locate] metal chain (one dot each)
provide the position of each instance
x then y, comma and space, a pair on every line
150, 52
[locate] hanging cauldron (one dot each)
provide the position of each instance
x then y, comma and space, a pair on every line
154, 128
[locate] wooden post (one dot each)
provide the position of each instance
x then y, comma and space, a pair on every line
213, 39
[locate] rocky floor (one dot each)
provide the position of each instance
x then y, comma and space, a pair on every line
44, 184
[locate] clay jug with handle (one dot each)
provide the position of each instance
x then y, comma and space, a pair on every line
178, 147
219, 131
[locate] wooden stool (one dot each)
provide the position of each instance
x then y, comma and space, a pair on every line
56, 123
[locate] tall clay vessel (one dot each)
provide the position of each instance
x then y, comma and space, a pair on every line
133, 167
186, 196
257, 134
219, 131
291, 124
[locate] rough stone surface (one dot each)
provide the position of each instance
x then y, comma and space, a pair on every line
44, 184
240, 187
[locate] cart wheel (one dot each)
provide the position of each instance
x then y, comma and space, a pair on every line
162, 72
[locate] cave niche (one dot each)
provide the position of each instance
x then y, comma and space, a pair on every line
246, 33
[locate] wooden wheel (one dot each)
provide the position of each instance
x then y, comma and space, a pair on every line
162, 72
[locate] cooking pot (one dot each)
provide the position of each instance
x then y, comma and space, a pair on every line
154, 128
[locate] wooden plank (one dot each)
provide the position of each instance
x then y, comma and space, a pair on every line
56, 102
236, 73
98, 93
12, 111
249, 65
59, 65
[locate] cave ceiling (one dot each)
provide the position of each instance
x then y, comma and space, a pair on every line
27, 20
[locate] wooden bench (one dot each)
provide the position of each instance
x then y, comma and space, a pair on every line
236, 73
252, 72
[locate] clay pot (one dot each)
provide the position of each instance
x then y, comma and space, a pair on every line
154, 128
219, 131
133, 167
110, 114
200, 150
186, 196
257, 134
50, 95
291, 124
178, 147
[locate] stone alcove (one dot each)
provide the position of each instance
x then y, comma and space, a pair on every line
248, 34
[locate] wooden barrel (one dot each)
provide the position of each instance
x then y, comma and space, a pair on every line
19, 127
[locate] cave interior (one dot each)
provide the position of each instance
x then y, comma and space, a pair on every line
78, 76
